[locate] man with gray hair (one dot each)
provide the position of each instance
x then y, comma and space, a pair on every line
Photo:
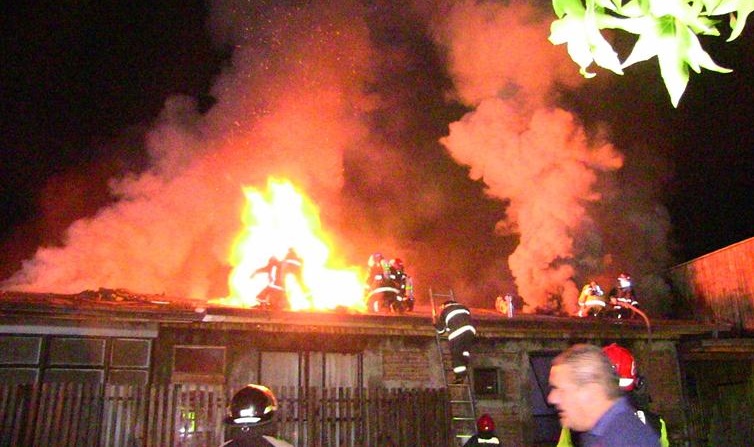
584, 389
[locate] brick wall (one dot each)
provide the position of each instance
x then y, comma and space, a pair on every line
405, 365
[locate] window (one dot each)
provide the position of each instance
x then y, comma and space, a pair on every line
129, 361
19, 359
73, 358
203, 364
486, 382
327, 369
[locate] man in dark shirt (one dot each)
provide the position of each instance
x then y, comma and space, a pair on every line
585, 391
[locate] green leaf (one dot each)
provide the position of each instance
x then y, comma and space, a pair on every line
695, 55
738, 21
563, 7
649, 41
578, 29
667, 29
673, 68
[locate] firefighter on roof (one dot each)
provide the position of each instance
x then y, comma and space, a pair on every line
250, 414
292, 265
381, 286
273, 294
455, 320
590, 299
485, 433
378, 268
291, 271
631, 384
623, 298
405, 285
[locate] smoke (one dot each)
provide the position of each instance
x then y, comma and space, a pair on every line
523, 147
429, 131
288, 105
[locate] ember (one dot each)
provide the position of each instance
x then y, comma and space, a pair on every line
275, 222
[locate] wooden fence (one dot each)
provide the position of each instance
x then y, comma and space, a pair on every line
191, 415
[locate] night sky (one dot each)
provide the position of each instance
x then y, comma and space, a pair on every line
97, 96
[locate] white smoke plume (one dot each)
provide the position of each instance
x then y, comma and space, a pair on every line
524, 149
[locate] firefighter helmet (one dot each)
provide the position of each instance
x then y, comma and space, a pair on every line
623, 365
397, 264
485, 424
252, 405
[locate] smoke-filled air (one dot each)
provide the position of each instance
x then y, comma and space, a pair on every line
434, 132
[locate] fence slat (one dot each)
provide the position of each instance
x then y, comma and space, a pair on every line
191, 415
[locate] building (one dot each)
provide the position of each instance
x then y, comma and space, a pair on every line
127, 341
719, 371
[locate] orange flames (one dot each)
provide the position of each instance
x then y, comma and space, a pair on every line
275, 221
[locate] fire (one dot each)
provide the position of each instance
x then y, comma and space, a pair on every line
274, 222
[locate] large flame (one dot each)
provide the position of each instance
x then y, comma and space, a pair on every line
275, 221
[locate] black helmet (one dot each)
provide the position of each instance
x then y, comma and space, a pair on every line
252, 405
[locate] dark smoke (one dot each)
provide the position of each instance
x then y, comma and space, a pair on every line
431, 132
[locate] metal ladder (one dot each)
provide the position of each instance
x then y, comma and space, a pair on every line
461, 397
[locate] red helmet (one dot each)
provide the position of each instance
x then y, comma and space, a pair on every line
623, 364
485, 423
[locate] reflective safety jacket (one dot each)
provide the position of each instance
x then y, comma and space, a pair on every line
455, 319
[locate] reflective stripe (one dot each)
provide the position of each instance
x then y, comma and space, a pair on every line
461, 330
492, 440
383, 289
595, 303
623, 383
459, 369
246, 420
455, 312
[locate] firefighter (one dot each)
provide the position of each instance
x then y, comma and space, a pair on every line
623, 296
455, 320
250, 417
381, 287
405, 285
485, 433
378, 269
590, 299
630, 383
291, 269
292, 265
273, 295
